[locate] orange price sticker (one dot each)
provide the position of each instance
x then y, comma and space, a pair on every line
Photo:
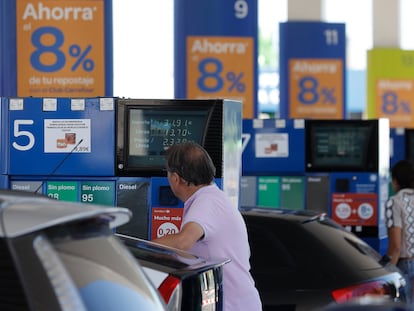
60, 48
393, 101
221, 67
316, 88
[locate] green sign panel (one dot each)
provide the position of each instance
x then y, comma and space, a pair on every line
63, 190
98, 192
292, 192
268, 194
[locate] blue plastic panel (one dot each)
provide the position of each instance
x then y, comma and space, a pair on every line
215, 51
61, 136
3, 137
273, 147
397, 145
312, 66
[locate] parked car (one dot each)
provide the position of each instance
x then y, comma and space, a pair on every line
368, 303
302, 260
187, 282
57, 255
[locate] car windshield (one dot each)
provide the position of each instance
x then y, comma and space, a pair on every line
105, 273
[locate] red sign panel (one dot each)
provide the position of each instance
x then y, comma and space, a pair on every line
165, 221
355, 209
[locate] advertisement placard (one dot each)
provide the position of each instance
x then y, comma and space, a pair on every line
355, 209
57, 48
312, 66
390, 86
215, 52
165, 221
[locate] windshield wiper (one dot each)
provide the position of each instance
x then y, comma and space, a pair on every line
319, 217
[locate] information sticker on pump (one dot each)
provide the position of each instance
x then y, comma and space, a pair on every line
60, 48
221, 67
165, 221
67, 135
316, 87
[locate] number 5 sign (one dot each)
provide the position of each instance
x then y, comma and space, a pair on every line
63, 140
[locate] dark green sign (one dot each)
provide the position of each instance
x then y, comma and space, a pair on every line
292, 192
98, 192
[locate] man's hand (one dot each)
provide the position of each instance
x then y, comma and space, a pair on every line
190, 233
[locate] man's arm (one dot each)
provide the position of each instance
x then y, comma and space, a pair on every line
190, 233
394, 244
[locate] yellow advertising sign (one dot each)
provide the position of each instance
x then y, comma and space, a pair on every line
60, 48
390, 86
316, 88
221, 67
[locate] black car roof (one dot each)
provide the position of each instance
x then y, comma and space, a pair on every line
293, 215
176, 260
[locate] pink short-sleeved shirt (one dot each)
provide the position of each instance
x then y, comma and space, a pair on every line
225, 236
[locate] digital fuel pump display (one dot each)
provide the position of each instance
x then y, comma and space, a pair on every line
151, 133
346, 145
146, 128
341, 145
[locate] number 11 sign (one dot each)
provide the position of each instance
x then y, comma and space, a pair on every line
312, 70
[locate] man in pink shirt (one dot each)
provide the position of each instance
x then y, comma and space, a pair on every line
212, 226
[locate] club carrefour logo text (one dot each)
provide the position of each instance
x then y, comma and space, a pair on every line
44, 12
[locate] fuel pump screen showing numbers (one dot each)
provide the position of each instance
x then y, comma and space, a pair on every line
152, 132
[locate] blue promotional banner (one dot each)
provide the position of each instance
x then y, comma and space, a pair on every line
56, 48
312, 70
215, 52
61, 136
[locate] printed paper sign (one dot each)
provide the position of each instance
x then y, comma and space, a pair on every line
271, 145
67, 135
